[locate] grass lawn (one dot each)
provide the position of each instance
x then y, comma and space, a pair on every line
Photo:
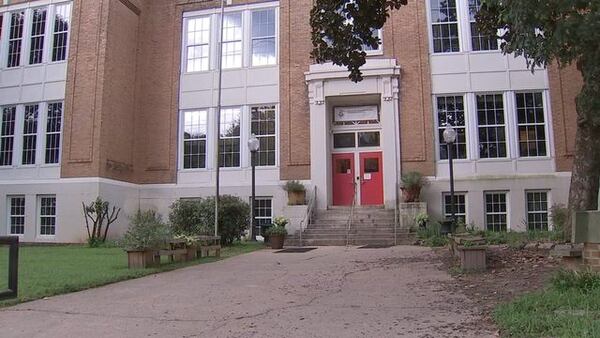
569, 307
50, 270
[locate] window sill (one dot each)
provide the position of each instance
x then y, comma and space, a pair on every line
37, 65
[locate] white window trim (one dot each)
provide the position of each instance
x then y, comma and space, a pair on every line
52, 35
248, 132
39, 216
181, 141
9, 215
508, 213
251, 39
469, 133
464, 193
460, 24
549, 207
547, 123
508, 131
44, 120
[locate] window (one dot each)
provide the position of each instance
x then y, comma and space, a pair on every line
531, 124
16, 215
492, 134
198, 39
47, 215
451, 109
263, 37
263, 211
496, 214
232, 41
38, 29
60, 36
195, 126
460, 206
30, 123
15, 39
537, 210
7, 135
263, 126
479, 41
53, 128
444, 25
229, 140
344, 140
369, 139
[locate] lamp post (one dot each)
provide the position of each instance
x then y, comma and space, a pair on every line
253, 146
450, 138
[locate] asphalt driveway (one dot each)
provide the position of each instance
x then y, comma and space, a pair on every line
327, 292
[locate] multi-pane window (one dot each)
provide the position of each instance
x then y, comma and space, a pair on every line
492, 131
15, 39
451, 110
16, 214
444, 25
60, 34
263, 126
195, 126
53, 129
496, 213
38, 30
537, 210
531, 124
460, 206
30, 125
263, 37
198, 39
479, 41
232, 41
229, 140
47, 215
263, 212
7, 135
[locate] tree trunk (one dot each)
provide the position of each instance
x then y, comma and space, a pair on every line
585, 179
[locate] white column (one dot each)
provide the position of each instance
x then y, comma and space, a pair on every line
319, 144
389, 139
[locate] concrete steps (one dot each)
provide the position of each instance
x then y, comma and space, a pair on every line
370, 226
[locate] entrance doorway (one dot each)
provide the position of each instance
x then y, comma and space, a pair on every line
362, 171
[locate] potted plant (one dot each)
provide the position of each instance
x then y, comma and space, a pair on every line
277, 232
146, 234
411, 185
421, 219
296, 192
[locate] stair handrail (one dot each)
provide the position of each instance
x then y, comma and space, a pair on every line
309, 213
349, 224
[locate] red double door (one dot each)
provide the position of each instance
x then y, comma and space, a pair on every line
368, 176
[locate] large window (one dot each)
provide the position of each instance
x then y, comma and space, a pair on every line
496, 212
263, 125
30, 125
15, 39
195, 126
7, 135
47, 214
232, 40
229, 141
263, 212
479, 41
460, 206
198, 39
492, 130
451, 110
38, 29
60, 35
16, 215
53, 129
531, 124
537, 210
444, 25
263, 37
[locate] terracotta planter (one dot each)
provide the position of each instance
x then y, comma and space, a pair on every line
276, 241
140, 259
296, 197
412, 194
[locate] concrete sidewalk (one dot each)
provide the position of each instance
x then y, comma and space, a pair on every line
327, 292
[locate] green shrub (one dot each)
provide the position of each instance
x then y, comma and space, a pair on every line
559, 214
276, 231
196, 217
584, 281
432, 235
294, 186
146, 231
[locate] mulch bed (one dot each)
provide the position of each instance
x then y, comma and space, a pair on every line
510, 273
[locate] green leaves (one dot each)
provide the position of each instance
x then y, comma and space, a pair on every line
342, 29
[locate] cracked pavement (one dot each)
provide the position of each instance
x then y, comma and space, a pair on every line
327, 292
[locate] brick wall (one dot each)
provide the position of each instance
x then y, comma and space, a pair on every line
591, 256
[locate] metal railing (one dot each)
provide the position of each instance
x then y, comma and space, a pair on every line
349, 224
309, 213
13, 267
